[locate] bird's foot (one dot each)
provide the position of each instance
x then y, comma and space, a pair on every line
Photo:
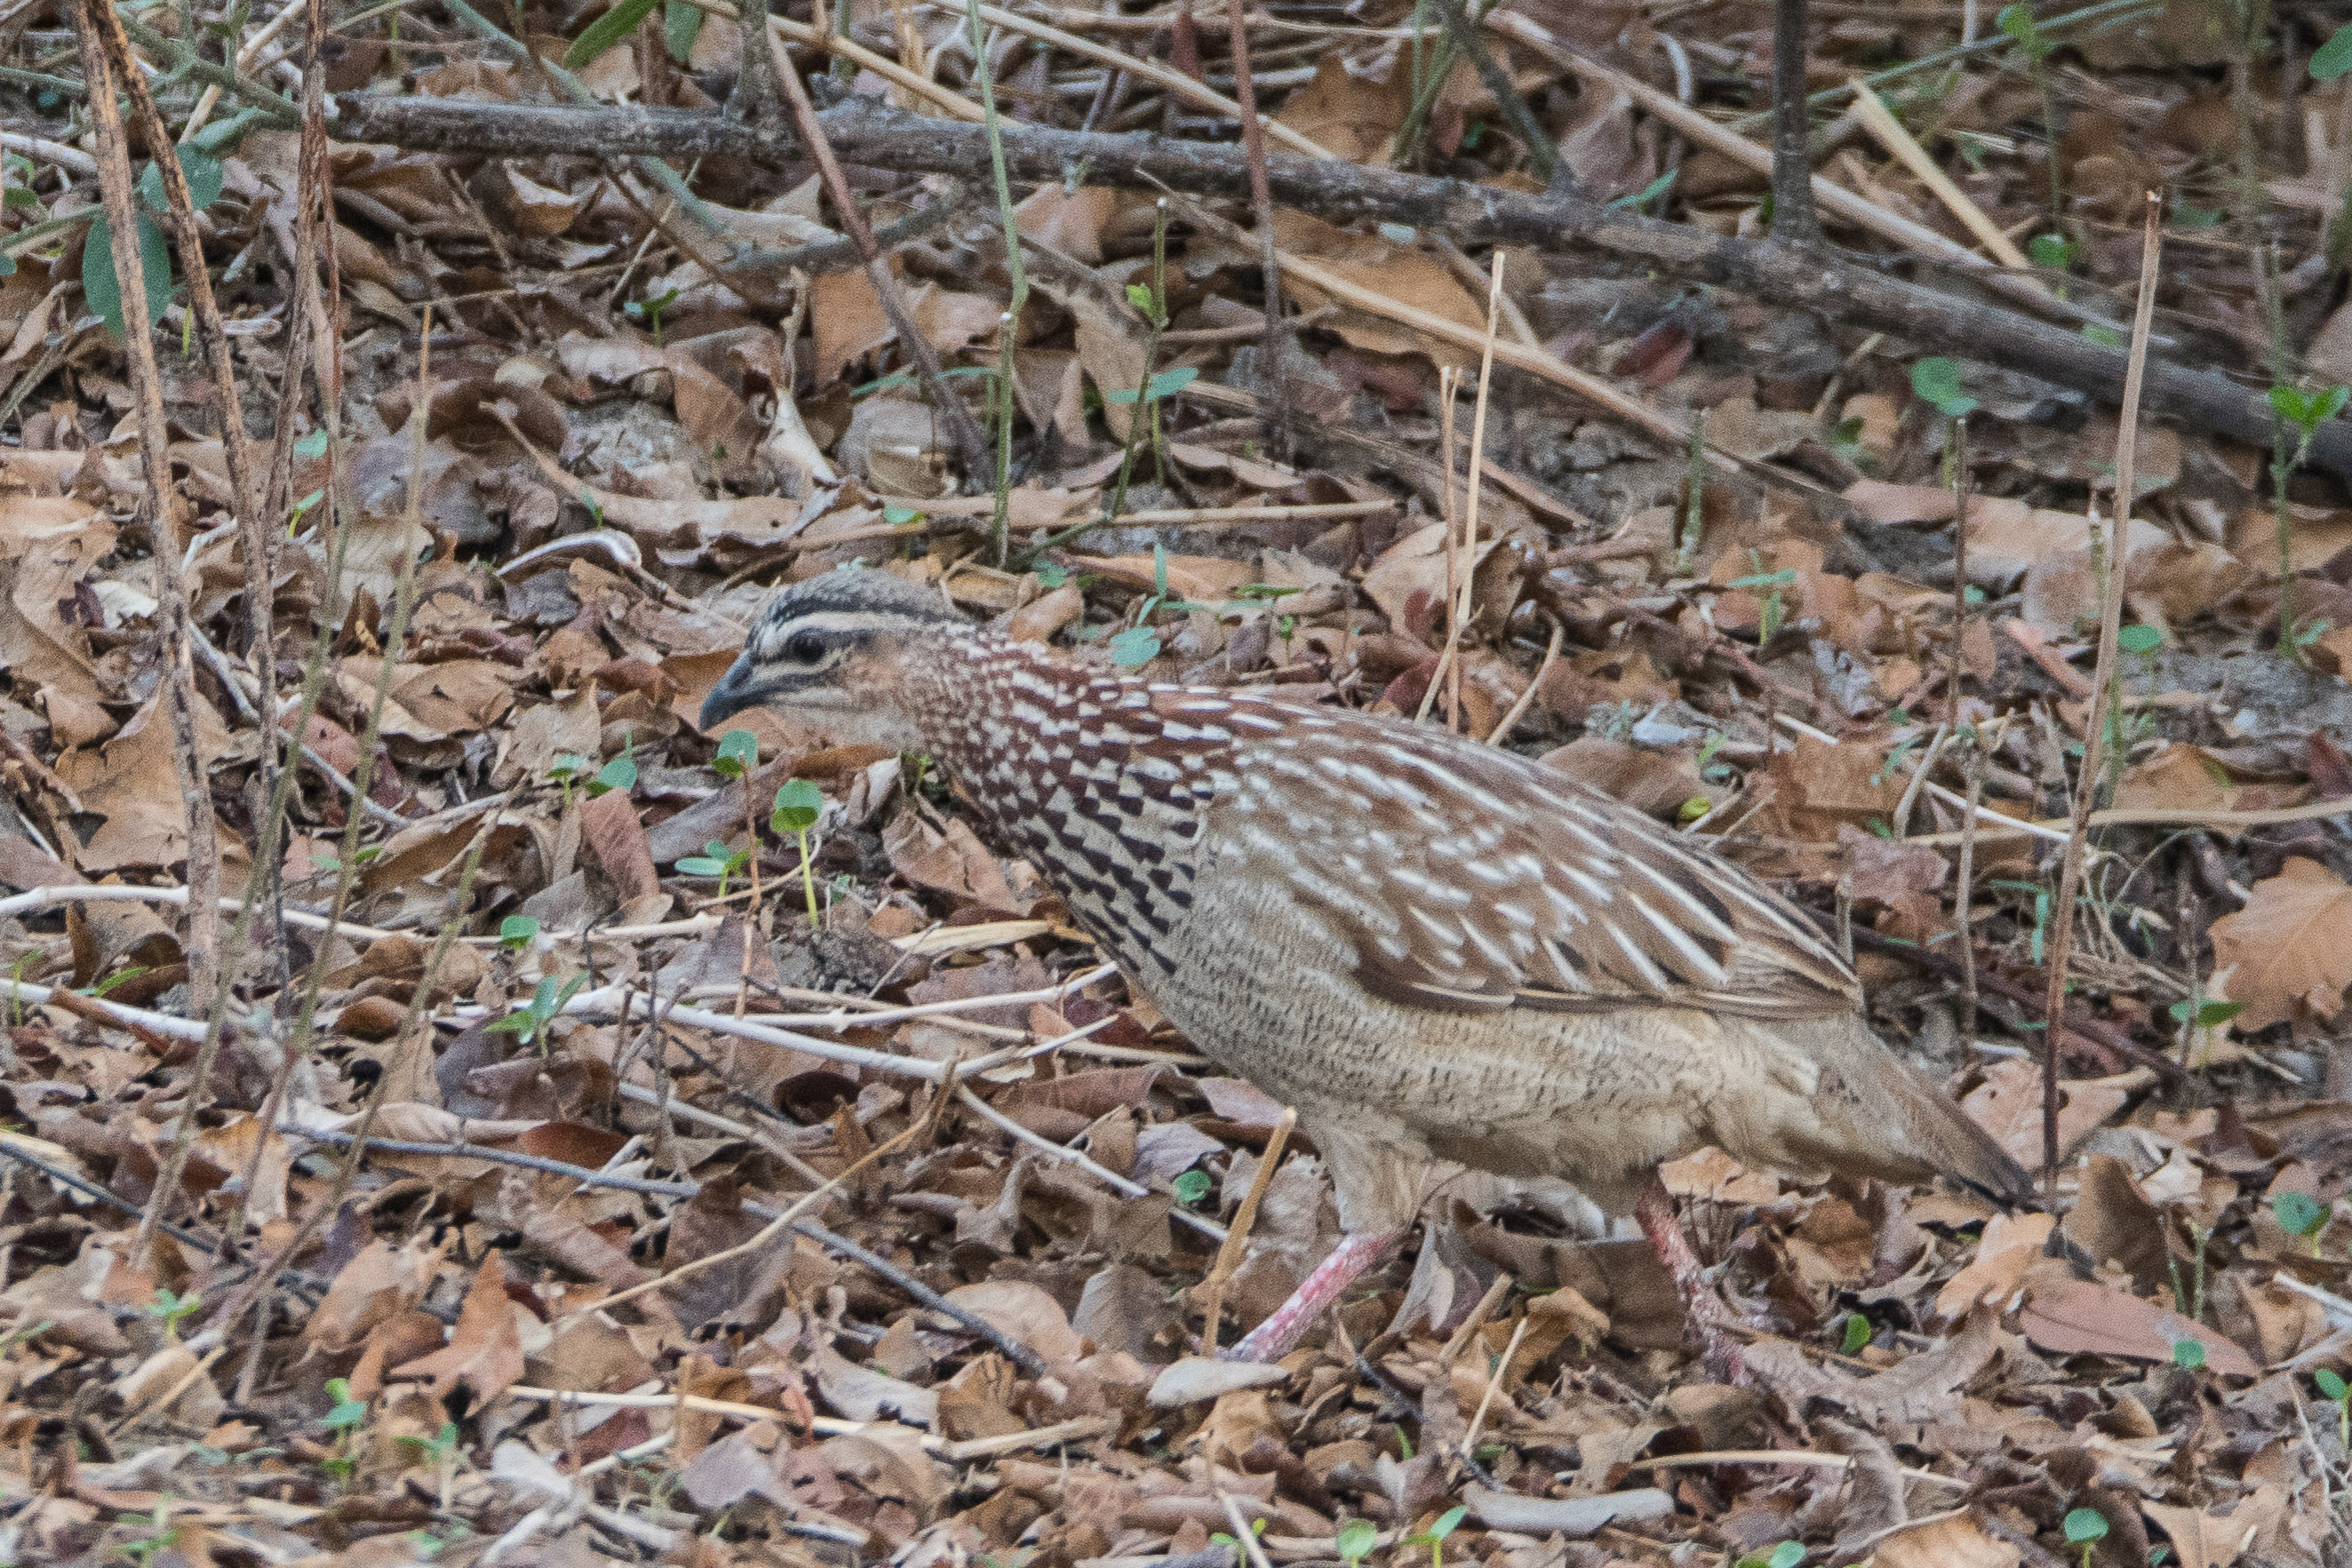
1280, 1334
1706, 1322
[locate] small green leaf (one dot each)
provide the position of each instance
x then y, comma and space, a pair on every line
205, 175
347, 1411
798, 806
2055, 252
2017, 21
738, 750
681, 25
1191, 1188
2331, 1384
1135, 646
312, 447
1357, 1537
2208, 1015
2189, 1354
1857, 1333
1692, 810
1937, 381
618, 774
2139, 638
899, 516
606, 31
1140, 297
1788, 1554
1050, 576
1452, 1517
2334, 58
516, 930
2086, 1525
98, 288
701, 865
2299, 1214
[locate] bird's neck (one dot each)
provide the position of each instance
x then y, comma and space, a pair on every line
1099, 782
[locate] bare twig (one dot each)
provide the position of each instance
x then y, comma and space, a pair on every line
2097, 714
969, 440
1229, 1254
94, 23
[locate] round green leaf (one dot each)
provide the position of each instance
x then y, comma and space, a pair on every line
516, 930
1136, 645
2298, 1213
2189, 1354
2139, 638
1857, 1333
2331, 1384
738, 749
1191, 1188
1788, 1554
1357, 1537
2084, 1525
618, 774
798, 806
1452, 1517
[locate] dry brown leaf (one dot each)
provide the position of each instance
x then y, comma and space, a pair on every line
2008, 1104
1953, 1541
2077, 1317
2200, 1539
2288, 953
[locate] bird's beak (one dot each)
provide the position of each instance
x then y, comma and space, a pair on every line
737, 690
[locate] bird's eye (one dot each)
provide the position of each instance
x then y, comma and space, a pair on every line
806, 648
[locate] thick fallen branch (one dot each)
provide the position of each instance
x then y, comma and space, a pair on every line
862, 132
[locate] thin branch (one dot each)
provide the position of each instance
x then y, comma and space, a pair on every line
864, 133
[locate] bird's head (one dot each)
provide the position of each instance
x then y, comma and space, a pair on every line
835, 650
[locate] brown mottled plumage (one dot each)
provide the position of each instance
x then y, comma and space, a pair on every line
1433, 949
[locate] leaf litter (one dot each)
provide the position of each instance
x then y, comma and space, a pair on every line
628, 1142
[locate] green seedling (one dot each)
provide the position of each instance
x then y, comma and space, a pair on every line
2301, 413
169, 1309
343, 1419
799, 804
2086, 1528
715, 859
1938, 380
2188, 1354
1220, 1537
1857, 1334
1434, 1536
441, 1449
165, 1537
649, 310
530, 1020
739, 753
1191, 1188
2055, 252
516, 931
2332, 1389
1788, 1554
2301, 1214
1357, 1537
619, 774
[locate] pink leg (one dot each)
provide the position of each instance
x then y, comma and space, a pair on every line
1273, 1338
1705, 1313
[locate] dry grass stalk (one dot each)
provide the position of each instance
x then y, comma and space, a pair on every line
2099, 710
